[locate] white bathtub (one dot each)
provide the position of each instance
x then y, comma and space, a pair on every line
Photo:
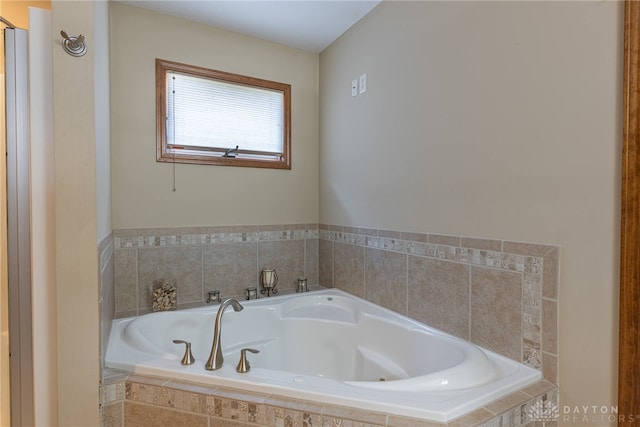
326, 346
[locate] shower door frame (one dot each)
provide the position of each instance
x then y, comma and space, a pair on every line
19, 226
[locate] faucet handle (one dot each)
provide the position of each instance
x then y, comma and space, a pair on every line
188, 358
214, 296
243, 364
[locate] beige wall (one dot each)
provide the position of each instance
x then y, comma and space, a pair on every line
206, 195
505, 116
43, 243
76, 215
102, 118
490, 119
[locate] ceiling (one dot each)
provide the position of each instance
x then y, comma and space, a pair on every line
311, 25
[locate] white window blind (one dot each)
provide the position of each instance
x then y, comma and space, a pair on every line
217, 115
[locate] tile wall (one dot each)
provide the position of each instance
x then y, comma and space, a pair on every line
499, 294
502, 295
199, 260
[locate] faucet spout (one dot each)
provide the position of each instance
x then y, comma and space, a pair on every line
215, 358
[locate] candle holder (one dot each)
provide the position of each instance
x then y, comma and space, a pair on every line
269, 281
302, 285
251, 293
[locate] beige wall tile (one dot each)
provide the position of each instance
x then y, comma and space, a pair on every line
508, 402
496, 311
335, 227
550, 368
294, 404
550, 274
367, 231
126, 279
439, 239
349, 268
286, 257
399, 421
229, 268
390, 234
219, 422
439, 294
550, 326
112, 389
538, 388
530, 249
415, 237
386, 279
179, 264
152, 416
484, 244
325, 263
126, 313
344, 413
475, 418
311, 255
113, 415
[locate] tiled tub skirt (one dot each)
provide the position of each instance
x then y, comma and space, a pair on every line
134, 400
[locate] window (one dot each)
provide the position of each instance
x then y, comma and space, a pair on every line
212, 117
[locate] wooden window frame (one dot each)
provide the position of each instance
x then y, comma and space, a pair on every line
185, 154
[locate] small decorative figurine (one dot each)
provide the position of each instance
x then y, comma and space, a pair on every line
164, 296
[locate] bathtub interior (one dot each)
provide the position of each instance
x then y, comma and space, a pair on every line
327, 343
322, 335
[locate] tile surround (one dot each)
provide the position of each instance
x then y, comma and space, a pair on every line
385, 279
180, 265
508, 302
496, 313
135, 400
200, 259
439, 294
237, 260
348, 268
499, 294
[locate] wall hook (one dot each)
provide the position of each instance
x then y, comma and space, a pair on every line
73, 45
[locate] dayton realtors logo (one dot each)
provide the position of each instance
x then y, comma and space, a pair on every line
595, 414
546, 411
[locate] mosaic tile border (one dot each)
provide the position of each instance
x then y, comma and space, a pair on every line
216, 405
418, 244
144, 238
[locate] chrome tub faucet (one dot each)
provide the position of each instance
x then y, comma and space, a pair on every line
215, 358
